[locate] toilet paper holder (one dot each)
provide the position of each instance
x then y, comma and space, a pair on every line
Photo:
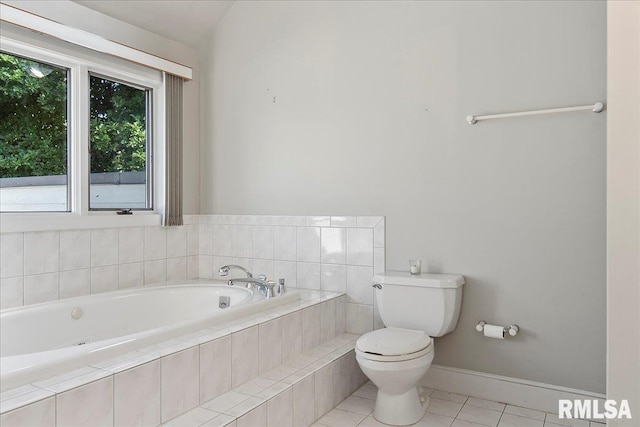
511, 330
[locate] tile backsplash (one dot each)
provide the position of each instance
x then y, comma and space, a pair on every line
43, 266
334, 253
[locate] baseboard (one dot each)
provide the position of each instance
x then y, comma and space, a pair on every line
514, 391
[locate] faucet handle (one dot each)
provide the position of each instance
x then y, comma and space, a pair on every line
281, 288
269, 285
262, 277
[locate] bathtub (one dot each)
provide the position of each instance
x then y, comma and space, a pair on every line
41, 340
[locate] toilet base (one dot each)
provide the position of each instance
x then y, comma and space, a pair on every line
401, 409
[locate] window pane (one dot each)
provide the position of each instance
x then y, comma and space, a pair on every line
119, 145
33, 136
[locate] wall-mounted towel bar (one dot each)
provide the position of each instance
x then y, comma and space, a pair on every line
596, 108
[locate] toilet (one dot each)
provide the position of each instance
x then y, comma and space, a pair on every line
414, 308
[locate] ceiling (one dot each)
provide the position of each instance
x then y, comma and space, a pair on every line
185, 21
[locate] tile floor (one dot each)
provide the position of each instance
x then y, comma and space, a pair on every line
445, 410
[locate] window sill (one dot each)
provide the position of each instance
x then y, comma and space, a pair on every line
21, 222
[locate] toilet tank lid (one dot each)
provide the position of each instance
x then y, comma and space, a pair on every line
427, 280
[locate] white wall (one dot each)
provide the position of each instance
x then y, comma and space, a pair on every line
623, 207
75, 15
369, 119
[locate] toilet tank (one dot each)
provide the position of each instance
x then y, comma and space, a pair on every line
426, 302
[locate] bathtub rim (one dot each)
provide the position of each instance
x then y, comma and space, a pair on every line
113, 347
125, 291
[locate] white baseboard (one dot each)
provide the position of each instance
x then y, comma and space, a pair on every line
514, 391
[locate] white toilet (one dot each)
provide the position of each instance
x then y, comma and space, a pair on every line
414, 308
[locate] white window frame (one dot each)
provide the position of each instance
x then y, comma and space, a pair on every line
80, 64
149, 199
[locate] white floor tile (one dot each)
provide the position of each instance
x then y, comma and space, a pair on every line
444, 407
449, 396
427, 391
525, 412
341, 418
487, 404
358, 404
510, 420
446, 410
553, 419
434, 420
368, 391
371, 422
463, 423
479, 415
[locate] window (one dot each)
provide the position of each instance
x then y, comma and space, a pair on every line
119, 145
34, 155
78, 138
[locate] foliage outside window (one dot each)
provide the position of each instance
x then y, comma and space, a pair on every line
118, 144
35, 143
33, 134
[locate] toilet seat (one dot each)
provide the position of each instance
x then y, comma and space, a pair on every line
394, 345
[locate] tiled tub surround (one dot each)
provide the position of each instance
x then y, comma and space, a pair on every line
323, 253
49, 265
251, 371
331, 253
40, 340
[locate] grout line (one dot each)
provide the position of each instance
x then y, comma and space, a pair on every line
113, 396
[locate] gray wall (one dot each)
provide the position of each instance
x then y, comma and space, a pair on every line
369, 119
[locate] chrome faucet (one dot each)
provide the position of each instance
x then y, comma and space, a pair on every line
263, 286
224, 270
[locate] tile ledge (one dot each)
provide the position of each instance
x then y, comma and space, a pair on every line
109, 367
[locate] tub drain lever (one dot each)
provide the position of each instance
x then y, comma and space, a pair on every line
224, 302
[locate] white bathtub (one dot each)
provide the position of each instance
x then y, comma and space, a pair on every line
41, 340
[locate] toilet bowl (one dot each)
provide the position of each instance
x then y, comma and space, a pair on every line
415, 308
395, 360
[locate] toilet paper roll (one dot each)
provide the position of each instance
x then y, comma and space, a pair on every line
493, 331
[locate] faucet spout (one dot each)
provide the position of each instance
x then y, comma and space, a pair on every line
265, 287
224, 270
